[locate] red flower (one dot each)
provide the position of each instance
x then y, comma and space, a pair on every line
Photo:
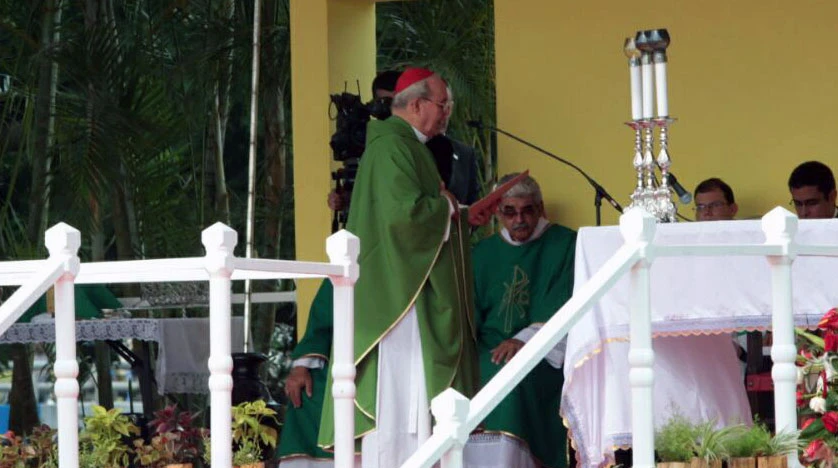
815, 450
807, 422
830, 341
830, 320
830, 421
801, 402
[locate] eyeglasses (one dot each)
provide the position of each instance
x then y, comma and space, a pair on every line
810, 203
710, 206
510, 212
445, 105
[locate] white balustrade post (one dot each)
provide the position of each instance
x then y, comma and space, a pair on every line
638, 229
450, 409
780, 226
219, 242
63, 242
343, 249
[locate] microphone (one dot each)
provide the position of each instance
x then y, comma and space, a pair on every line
683, 195
600, 191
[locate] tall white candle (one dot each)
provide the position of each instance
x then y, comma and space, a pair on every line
648, 79
661, 90
636, 91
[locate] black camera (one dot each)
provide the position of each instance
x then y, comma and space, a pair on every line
351, 120
349, 140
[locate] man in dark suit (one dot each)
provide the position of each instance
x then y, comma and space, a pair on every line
457, 162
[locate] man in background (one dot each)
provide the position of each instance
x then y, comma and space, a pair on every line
522, 276
714, 201
812, 188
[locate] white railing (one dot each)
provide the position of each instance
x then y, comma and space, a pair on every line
220, 267
456, 416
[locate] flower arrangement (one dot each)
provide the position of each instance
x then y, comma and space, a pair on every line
817, 403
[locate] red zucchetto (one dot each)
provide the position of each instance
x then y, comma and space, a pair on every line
411, 76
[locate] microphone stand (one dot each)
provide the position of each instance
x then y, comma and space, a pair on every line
600, 192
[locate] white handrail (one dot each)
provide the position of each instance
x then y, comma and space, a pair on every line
218, 266
637, 255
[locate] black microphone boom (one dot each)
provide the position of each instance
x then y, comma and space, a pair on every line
600, 192
683, 195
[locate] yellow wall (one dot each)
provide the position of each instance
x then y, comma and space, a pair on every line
753, 84
332, 42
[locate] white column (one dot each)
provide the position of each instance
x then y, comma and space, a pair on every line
343, 249
219, 242
638, 228
63, 242
780, 226
450, 409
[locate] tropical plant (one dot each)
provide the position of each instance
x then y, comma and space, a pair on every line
745, 442
675, 441
174, 439
104, 439
250, 433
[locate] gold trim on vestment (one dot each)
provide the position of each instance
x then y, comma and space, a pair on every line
315, 355
470, 310
412, 301
294, 456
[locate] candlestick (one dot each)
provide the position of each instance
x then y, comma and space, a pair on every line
633, 54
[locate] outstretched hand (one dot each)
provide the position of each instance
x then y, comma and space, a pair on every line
298, 378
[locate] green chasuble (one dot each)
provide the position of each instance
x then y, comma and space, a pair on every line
301, 425
402, 219
515, 287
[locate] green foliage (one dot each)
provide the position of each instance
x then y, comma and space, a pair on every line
104, 438
675, 441
743, 441
710, 443
248, 428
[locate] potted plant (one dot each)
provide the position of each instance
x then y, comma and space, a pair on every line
742, 444
13, 452
675, 442
251, 433
774, 453
44, 448
175, 442
710, 448
103, 440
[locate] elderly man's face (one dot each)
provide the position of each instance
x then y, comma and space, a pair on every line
811, 203
712, 206
432, 112
520, 215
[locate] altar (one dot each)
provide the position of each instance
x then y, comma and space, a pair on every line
696, 303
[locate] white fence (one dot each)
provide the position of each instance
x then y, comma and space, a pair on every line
456, 416
220, 267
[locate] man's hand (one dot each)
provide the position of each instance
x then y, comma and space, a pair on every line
336, 200
506, 350
298, 378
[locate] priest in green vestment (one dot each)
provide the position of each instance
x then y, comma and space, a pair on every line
306, 386
414, 334
522, 275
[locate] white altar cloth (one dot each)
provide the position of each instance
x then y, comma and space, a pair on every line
695, 301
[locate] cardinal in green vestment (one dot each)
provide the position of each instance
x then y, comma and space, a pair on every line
415, 274
522, 276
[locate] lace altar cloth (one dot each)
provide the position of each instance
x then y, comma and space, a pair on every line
181, 365
696, 302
